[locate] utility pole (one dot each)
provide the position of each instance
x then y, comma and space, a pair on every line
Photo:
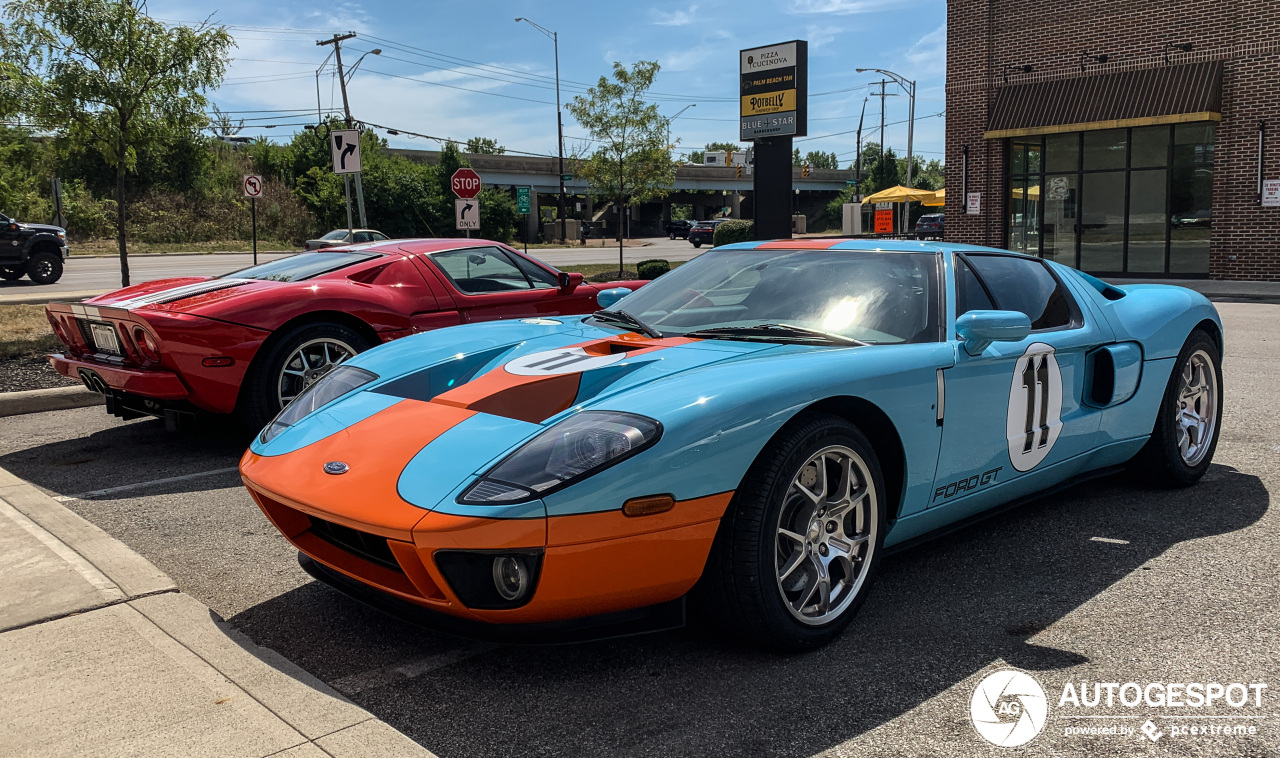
346, 109
882, 96
555, 40
857, 166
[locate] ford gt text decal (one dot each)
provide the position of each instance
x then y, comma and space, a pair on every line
968, 484
1035, 407
565, 360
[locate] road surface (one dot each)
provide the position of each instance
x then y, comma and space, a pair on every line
86, 277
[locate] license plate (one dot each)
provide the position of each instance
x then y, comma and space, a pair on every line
104, 338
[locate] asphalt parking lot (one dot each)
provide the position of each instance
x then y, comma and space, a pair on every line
1105, 582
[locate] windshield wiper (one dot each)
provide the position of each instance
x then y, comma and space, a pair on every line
770, 331
626, 319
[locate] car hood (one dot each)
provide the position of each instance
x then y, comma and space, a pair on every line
473, 393
42, 228
187, 294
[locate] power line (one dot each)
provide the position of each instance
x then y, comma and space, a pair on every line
464, 89
851, 131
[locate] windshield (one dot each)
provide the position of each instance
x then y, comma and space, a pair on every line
302, 266
337, 234
868, 296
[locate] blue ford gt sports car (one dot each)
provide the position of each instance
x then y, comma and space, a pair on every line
761, 423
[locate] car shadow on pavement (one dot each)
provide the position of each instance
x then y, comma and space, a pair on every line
113, 454
938, 614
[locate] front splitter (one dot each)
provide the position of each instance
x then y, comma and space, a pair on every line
654, 618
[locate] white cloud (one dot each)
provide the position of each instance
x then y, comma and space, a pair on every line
674, 18
819, 35
842, 7
685, 59
928, 55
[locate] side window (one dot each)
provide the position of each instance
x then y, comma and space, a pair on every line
378, 236
970, 295
361, 237
541, 278
478, 270
1023, 284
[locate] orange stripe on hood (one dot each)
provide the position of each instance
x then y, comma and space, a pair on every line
376, 451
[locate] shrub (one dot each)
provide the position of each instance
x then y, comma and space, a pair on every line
652, 268
733, 230
613, 276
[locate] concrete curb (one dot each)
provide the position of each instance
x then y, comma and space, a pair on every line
39, 401
141, 618
133, 574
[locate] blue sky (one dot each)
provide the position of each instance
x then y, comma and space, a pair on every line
498, 72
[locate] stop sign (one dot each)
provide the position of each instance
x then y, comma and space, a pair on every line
466, 183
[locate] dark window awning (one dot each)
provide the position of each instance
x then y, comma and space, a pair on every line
1166, 95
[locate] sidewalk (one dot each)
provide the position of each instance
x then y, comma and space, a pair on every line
101, 655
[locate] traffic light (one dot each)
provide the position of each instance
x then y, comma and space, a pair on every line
804, 171
738, 173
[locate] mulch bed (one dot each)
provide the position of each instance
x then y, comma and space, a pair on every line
30, 372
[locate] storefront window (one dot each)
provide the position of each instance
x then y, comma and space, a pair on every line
1114, 201
1191, 198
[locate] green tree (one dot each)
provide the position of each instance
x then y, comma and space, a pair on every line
698, 156
632, 165
484, 146
105, 73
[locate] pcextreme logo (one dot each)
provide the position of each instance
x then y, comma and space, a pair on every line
1008, 708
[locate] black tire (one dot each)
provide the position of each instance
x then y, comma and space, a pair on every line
44, 268
697, 244
671, 235
259, 397
740, 585
11, 273
1161, 461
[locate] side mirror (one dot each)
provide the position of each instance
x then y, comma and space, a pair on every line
569, 281
608, 298
978, 329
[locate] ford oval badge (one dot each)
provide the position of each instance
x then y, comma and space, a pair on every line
335, 467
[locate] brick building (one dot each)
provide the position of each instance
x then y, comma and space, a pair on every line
1124, 137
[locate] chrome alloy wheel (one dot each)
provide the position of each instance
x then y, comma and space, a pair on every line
310, 361
1197, 407
827, 530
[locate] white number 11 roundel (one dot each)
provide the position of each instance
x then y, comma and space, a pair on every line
1035, 407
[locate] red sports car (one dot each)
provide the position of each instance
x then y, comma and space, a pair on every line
250, 341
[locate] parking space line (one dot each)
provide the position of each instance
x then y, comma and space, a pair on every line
141, 485
374, 678
1109, 540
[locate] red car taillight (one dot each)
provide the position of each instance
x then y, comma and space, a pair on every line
147, 345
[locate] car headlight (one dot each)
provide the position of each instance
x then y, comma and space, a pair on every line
328, 388
575, 448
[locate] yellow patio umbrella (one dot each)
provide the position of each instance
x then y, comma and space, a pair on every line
1032, 193
939, 198
898, 194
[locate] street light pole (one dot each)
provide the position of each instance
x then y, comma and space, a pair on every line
910, 88
337, 41
555, 40
679, 113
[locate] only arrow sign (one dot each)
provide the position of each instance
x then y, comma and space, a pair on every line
466, 214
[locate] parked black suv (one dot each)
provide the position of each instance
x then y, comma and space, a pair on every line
704, 232
36, 250
679, 229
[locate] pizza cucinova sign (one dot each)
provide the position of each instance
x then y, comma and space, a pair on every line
773, 90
